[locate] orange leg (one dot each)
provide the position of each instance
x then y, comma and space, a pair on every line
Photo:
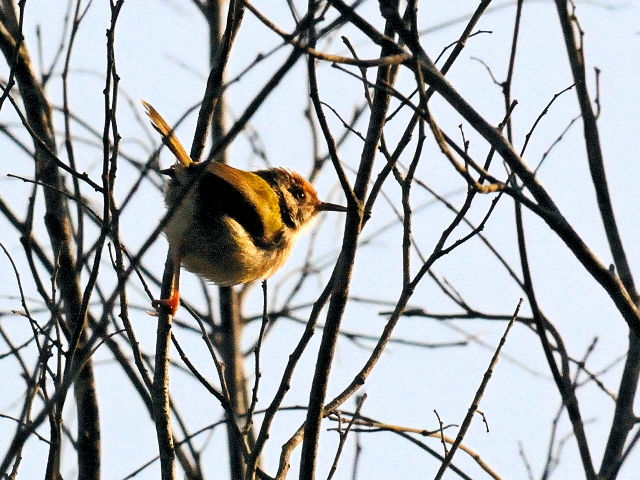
173, 302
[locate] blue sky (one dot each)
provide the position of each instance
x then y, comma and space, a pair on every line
162, 57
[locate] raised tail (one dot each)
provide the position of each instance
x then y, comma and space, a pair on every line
168, 137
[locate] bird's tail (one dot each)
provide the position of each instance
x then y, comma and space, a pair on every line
168, 137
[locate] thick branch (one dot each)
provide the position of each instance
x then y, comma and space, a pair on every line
340, 291
58, 224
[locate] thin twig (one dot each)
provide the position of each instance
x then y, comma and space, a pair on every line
477, 397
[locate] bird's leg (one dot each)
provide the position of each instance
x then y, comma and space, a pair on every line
173, 302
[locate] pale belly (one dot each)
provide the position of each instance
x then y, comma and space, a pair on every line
224, 253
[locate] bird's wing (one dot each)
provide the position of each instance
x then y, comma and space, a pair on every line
245, 197
168, 137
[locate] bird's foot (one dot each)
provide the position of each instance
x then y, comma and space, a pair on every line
172, 303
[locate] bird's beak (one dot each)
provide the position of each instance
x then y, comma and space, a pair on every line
330, 207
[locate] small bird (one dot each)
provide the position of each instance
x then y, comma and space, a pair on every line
232, 226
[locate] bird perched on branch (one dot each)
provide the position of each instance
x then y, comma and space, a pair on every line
228, 225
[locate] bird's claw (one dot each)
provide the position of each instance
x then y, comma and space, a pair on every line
172, 303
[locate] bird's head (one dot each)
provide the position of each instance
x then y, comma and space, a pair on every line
299, 202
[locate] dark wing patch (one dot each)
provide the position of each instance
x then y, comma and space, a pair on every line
218, 197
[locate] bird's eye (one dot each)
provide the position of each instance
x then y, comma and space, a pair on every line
298, 193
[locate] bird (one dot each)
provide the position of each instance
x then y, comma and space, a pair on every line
231, 226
